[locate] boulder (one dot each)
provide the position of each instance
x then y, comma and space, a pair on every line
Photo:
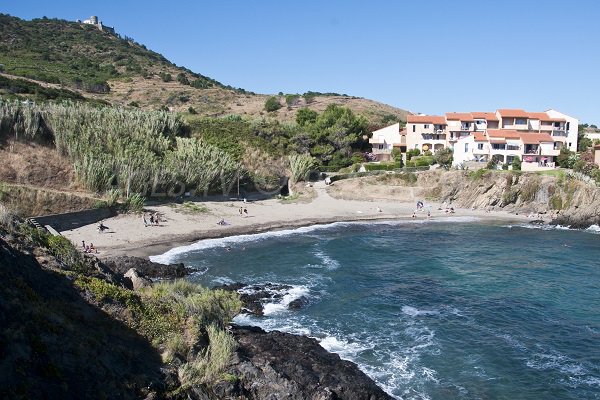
254, 297
277, 365
138, 281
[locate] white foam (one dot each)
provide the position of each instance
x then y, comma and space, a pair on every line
171, 255
414, 312
328, 262
345, 349
591, 229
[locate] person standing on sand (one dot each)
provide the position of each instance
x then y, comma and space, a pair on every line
145, 221
241, 212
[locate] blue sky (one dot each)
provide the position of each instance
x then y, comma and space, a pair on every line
424, 56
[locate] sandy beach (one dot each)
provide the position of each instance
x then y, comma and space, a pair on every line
180, 225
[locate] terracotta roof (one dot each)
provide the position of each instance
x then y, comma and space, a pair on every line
488, 116
533, 138
542, 116
426, 119
498, 141
453, 116
513, 113
479, 136
504, 133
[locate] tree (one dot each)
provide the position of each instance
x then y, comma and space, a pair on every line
291, 99
516, 164
272, 104
306, 116
444, 158
411, 153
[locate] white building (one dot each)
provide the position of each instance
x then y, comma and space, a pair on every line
535, 137
386, 139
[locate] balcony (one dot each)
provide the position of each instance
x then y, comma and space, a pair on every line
559, 132
426, 136
532, 149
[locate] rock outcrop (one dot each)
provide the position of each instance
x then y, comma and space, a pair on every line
137, 280
276, 365
577, 203
254, 297
120, 265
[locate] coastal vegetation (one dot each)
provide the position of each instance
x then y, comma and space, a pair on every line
184, 322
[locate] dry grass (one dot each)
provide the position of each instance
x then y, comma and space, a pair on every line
35, 165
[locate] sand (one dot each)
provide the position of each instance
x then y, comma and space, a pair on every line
179, 226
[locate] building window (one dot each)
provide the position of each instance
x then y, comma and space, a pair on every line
466, 147
426, 126
520, 121
479, 146
414, 128
568, 125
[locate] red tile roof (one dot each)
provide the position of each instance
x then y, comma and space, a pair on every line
426, 119
479, 136
534, 138
488, 116
504, 133
453, 116
513, 113
542, 116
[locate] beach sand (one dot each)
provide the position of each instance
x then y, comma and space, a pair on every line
180, 226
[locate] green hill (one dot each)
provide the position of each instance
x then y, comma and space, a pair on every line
70, 60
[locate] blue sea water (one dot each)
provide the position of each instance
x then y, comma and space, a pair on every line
441, 309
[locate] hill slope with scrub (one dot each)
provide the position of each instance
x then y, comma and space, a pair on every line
63, 59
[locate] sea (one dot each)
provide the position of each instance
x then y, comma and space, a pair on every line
448, 308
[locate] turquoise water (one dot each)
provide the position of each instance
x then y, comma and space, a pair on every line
434, 309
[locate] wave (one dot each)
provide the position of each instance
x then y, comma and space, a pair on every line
544, 227
204, 244
414, 312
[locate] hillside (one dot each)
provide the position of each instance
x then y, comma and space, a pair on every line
82, 61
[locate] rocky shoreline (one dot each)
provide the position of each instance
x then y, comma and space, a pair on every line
266, 365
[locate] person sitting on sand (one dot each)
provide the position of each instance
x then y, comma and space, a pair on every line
102, 227
222, 222
246, 211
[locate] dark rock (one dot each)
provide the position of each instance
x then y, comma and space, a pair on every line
254, 297
536, 222
277, 365
122, 264
298, 303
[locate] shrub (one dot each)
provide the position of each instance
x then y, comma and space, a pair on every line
383, 167
516, 164
480, 173
181, 78
165, 76
491, 165
411, 153
272, 104
300, 164
556, 202
192, 110
134, 203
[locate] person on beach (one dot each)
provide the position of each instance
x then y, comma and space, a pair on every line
156, 219
414, 214
428, 214
151, 219
145, 221
102, 227
379, 209
241, 210
83, 244
246, 211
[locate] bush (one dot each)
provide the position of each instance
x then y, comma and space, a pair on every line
166, 77
411, 153
491, 165
272, 104
480, 173
134, 203
516, 164
192, 110
181, 78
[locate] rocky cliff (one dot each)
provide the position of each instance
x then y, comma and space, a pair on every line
577, 203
